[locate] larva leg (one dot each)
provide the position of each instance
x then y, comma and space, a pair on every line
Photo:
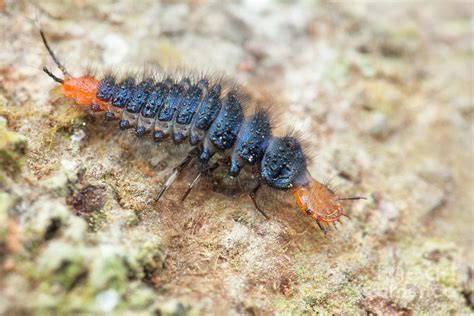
208, 169
191, 186
322, 227
176, 171
253, 196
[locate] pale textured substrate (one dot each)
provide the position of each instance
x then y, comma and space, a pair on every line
383, 94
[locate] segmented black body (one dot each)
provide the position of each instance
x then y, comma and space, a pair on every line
203, 114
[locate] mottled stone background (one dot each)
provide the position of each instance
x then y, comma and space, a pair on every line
382, 92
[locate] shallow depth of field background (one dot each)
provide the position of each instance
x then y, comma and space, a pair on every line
381, 91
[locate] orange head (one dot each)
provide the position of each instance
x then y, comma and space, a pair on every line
318, 201
82, 89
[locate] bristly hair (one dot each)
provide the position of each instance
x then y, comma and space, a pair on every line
231, 88
90, 70
147, 74
263, 109
109, 72
178, 73
304, 143
266, 110
207, 75
327, 182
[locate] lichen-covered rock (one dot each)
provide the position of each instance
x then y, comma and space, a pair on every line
176, 308
46, 218
69, 266
6, 201
12, 149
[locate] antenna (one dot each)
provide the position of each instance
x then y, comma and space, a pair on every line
61, 81
352, 198
53, 56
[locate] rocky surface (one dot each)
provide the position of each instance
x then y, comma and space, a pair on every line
382, 93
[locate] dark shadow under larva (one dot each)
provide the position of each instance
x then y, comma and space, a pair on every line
211, 118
